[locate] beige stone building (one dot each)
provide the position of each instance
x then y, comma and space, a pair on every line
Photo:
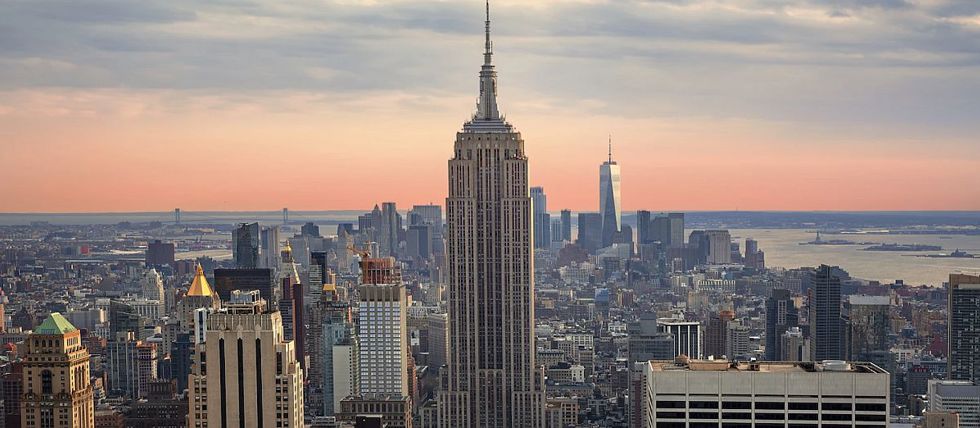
491, 379
246, 373
57, 387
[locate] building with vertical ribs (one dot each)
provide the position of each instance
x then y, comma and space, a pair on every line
491, 379
246, 374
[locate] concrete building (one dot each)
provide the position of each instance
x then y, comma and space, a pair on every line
491, 379
719, 247
681, 394
792, 346
269, 251
716, 334
781, 315
957, 396
246, 373
160, 253
57, 392
382, 331
964, 327
610, 202
131, 366
940, 419
687, 336
152, 286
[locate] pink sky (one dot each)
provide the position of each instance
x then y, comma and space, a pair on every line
93, 151
339, 104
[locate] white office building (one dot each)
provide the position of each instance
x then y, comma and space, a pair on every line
957, 396
687, 336
703, 394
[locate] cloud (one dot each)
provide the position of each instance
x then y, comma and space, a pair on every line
796, 60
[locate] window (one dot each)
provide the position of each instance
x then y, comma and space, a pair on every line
869, 407
803, 406
736, 405
837, 406
46, 387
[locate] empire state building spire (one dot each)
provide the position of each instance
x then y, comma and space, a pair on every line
487, 107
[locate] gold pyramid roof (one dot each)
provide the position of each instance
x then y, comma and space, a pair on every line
200, 286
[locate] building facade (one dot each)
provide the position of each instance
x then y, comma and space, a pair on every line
964, 327
610, 202
57, 390
246, 374
491, 379
681, 394
826, 340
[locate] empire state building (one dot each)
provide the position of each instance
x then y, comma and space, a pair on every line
491, 379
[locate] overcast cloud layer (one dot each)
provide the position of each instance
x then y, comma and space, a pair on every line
889, 60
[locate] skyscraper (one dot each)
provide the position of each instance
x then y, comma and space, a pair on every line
245, 244
383, 331
56, 380
589, 231
566, 225
152, 286
825, 316
610, 207
868, 326
491, 379
539, 203
964, 327
643, 225
781, 315
269, 247
391, 224
676, 229
246, 373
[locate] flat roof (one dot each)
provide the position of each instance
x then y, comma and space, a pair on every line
763, 366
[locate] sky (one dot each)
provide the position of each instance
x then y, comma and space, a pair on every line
121, 105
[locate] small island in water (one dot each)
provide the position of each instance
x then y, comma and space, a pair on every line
903, 247
820, 241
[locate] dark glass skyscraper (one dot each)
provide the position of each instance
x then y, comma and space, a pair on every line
964, 327
826, 340
245, 243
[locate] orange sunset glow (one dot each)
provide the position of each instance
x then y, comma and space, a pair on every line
338, 104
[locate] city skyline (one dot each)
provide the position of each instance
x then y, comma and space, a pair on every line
144, 107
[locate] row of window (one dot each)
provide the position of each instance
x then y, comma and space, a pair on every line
758, 425
769, 405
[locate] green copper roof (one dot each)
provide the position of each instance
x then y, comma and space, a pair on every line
54, 324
